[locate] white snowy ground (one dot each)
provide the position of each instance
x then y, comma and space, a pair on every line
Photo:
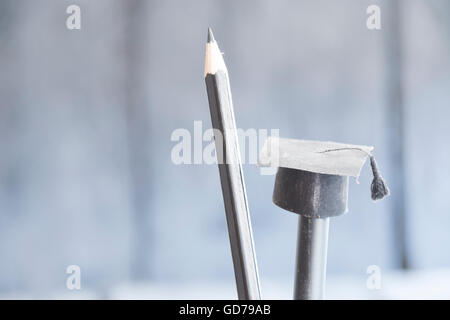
433, 284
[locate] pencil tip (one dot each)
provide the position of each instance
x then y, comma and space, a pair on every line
210, 36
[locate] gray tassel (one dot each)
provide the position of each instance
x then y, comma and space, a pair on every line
379, 188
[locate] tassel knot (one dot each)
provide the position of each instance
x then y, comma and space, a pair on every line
378, 188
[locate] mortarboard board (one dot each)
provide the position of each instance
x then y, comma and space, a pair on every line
314, 156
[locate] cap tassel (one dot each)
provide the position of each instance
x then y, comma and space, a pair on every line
378, 188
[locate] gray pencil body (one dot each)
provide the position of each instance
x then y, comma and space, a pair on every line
233, 188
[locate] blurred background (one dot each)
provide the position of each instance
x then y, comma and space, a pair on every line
86, 117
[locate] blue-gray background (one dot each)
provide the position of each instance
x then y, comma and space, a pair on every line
86, 117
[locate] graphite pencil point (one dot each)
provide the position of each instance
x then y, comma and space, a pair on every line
210, 36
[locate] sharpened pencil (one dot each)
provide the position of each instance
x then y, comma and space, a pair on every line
231, 175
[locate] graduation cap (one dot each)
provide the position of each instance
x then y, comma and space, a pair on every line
312, 181
312, 176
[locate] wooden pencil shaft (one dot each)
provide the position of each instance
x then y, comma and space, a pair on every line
233, 188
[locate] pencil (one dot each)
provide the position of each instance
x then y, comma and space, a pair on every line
230, 171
